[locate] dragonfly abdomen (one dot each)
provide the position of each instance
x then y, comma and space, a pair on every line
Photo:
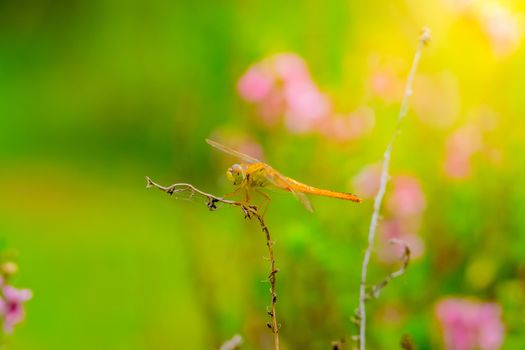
300, 187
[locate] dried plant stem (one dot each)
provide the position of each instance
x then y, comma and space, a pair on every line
423, 40
375, 290
249, 211
232, 344
271, 277
405, 259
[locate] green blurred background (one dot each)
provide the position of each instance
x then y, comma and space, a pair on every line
94, 95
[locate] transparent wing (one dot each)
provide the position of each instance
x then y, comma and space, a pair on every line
282, 182
301, 197
232, 152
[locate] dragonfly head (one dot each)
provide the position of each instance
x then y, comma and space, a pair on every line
236, 174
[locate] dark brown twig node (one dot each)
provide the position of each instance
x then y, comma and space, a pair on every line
249, 211
337, 344
407, 343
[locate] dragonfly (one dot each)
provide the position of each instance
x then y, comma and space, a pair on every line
253, 175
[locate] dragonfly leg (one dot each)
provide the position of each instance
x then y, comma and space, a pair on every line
232, 193
266, 202
247, 194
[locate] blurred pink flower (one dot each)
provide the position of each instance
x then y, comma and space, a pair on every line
12, 306
457, 165
281, 85
290, 67
242, 142
353, 126
470, 325
255, 84
251, 148
459, 5
460, 146
502, 28
366, 182
396, 229
384, 85
406, 198
272, 107
466, 139
384, 81
337, 128
438, 99
307, 106
361, 122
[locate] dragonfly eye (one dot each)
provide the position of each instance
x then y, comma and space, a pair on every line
235, 174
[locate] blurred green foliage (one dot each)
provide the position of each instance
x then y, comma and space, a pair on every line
94, 95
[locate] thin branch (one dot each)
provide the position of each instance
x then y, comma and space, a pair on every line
423, 40
405, 259
375, 290
232, 344
249, 211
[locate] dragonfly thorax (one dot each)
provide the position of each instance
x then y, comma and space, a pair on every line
236, 174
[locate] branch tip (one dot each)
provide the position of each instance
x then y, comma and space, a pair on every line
425, 37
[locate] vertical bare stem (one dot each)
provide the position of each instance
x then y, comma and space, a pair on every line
272, 278
423, 40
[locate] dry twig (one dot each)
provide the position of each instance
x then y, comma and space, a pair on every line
375, 290
423, 40
405, 259
232, 344
249, 211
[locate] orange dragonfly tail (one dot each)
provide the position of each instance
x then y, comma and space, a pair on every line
300, 187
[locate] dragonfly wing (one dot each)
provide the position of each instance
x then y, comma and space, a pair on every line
280, 181
232, 152
301, 197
